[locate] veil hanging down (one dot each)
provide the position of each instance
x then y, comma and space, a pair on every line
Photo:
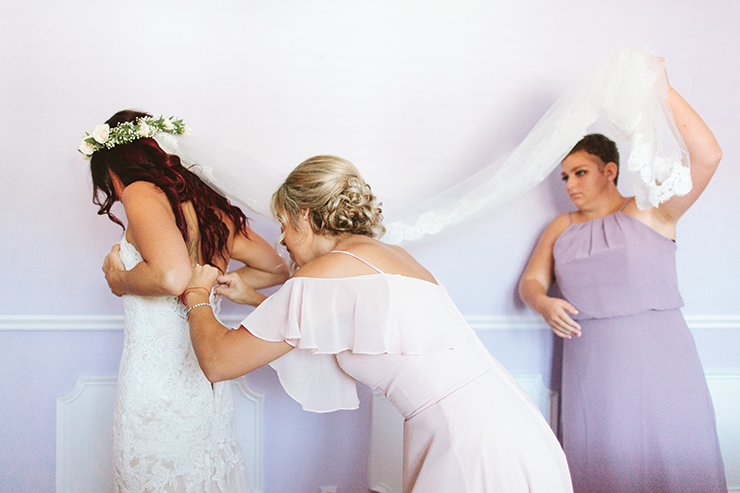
234, 175
629, 88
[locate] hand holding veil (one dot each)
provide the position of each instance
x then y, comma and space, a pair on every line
630, 89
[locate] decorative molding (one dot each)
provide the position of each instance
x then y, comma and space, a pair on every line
724, 387
478, 322
84, 456
250, 431
385, 464
61, 322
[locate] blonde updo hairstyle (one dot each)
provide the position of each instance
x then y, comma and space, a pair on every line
337, 199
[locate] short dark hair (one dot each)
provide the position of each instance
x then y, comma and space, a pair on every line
600, 146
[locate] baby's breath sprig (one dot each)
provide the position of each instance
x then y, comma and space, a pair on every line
104, 137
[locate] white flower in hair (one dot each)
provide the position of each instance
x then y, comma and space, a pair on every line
143, 129
101, 133
86, 148
104, 137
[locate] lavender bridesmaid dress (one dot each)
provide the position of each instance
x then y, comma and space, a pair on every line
636, 414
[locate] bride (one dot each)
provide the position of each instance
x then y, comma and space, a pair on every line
172, 430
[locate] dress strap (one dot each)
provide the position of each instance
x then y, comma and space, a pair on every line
621, 209
360, 259
570, 218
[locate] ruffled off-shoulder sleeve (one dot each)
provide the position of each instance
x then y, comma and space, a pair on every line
376, 314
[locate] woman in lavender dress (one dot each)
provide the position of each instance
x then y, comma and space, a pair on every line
636, 413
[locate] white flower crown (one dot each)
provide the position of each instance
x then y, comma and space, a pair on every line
104, 137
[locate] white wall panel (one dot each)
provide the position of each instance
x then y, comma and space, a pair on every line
84, 430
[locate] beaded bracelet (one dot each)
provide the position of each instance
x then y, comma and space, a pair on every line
187, 312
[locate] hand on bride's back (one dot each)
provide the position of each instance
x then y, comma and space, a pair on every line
233, 287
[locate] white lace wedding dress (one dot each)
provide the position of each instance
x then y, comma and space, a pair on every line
172, 430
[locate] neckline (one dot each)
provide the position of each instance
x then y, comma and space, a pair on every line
620, 211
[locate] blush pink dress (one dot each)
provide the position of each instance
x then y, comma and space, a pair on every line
469, 427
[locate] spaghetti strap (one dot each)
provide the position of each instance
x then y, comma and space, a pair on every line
570, 218
360, 259
621, 209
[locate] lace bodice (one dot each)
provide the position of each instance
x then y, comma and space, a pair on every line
172, 429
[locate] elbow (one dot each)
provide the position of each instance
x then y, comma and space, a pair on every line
522, 289
213, 376
717, 157
212, 370
709, 158
529, 290
175, 280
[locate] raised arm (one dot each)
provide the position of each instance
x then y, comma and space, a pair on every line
165, 268
537, 278
704, 152
223, 354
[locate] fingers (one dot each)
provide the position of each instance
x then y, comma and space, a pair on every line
224, 289
227, 278
568, 307
204, 276
560, 321
565, 327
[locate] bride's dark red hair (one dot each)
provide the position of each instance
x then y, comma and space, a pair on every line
144, 160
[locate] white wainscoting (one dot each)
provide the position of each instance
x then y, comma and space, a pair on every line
84, 424
725, 390
77, 431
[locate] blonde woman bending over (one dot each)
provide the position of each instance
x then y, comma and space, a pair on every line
359, 309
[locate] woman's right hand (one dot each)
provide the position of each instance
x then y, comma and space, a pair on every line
556, 312
204, 276
235, 288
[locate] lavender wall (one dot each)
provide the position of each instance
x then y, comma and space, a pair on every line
417, 95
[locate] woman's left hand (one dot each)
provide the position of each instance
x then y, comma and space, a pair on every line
112, 268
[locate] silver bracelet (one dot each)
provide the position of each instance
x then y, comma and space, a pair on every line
196, 306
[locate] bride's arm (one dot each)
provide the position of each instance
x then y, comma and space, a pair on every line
165, 269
